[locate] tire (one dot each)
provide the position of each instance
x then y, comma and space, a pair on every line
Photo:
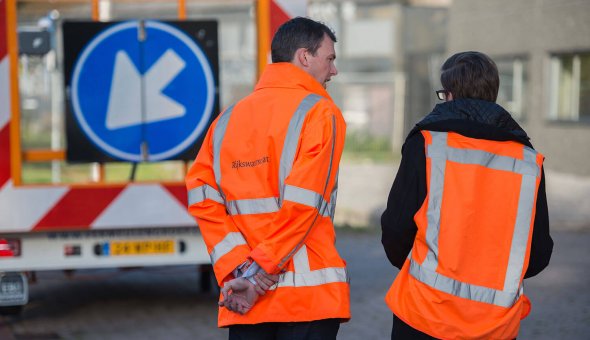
11, 310
205, 277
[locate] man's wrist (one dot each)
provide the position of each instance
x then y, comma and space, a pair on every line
252, 270
239, 271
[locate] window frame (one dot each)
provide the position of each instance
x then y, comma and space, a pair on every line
520, 65
553, 98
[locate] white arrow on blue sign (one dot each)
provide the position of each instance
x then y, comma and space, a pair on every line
126, 92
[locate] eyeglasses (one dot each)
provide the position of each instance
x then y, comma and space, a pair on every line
442, 94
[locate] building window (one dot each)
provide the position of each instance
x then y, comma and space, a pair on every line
513, 83
570, 87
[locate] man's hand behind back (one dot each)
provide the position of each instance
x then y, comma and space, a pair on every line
240, 295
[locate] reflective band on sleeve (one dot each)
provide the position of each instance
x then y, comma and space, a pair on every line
309, 198
229, 242
330, 210
218, 135
271, 205
292, 139
439, 152
203, 192
461, 289
313, 278
333, 197
253, 206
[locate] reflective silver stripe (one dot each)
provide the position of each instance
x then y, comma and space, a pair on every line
435, 194
270, 204
203, 192
229, 242
333, 196
440, 152
253, 206
301, 261
318, 207
218, 135
303, 276
524, 213
483, 158
307, 197
468, 291
292, 139
313, 278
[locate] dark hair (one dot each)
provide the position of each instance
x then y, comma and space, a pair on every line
471, 75
298, 33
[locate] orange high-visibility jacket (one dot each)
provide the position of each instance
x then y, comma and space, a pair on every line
263, 187
463, 276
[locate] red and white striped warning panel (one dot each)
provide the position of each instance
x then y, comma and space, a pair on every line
283, 10
41, 208
27, 208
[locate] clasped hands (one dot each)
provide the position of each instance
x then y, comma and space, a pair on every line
240, 295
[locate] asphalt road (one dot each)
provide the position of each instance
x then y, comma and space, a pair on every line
165, 303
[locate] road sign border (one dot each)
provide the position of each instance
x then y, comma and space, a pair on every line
203, 123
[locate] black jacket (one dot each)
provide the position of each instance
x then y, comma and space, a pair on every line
470, 118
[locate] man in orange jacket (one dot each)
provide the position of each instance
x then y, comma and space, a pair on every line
466, 220
263, 190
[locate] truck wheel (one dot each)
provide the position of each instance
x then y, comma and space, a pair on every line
205, 277
14, 288
11, 310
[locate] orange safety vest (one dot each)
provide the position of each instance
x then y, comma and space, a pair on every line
463, 276
263, 187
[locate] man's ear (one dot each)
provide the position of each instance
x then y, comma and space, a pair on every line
301, 57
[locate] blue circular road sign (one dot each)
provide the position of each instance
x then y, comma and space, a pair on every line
142, 92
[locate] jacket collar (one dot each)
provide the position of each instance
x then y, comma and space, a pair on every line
475, 110
287, 75
473, 118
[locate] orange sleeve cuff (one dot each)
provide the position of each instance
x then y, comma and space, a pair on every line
224, 267
259, 255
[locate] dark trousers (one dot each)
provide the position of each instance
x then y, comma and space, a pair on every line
403, 331
313, 330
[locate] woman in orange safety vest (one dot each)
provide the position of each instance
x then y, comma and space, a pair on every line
466, 219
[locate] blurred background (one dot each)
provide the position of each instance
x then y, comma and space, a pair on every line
389, 55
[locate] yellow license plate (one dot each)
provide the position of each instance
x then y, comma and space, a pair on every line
142, 247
